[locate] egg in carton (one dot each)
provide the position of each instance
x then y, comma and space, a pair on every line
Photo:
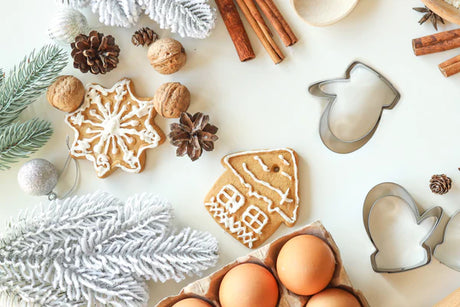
207, 288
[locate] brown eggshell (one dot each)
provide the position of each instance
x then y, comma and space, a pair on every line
248, 285
266, 256
191, 302
305, 265
333, 297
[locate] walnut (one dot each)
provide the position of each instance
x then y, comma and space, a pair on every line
167, 56
171, 99
66, 93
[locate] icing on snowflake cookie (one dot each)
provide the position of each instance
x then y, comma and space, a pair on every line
257, 193
113, 128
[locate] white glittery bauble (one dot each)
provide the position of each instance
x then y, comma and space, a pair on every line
38, 177
66, 25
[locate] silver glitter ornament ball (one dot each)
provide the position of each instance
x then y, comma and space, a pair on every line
66, 25
38, 177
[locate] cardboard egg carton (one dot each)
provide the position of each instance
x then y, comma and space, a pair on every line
208, 287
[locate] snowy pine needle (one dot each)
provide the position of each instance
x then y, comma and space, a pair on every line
189, 18
192, 18
95, 250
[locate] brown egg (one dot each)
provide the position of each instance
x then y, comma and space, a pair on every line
248, 285
191, 302
333, 297
305, 264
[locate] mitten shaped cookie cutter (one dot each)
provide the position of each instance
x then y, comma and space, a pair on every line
453, 225
390, 189
329, 139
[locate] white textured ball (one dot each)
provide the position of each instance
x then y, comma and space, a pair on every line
66, 25
38, 177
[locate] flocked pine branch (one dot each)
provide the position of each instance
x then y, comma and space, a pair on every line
192, 18
74, 3
2, 76
19, 140
120, 13
97, 251
189, 18
27, 81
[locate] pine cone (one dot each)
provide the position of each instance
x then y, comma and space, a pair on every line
440, 184
192, 135
144, 36
96, 52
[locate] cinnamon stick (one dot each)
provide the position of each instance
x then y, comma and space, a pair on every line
258, 17
263, 26
438, 42
236, 29
257, 23
450, 67
277, 20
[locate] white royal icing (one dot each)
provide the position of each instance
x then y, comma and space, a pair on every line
282, 194
286, 175
262, 164
250, 219
286, 162
234, 199
253, 192
112, 125
222, 216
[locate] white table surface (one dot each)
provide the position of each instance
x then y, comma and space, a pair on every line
259, 105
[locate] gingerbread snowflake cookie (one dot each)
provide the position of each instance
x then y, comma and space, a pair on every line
257, 193
113, 128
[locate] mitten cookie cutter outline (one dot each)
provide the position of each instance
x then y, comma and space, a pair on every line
386, 189
328, 138
436, 253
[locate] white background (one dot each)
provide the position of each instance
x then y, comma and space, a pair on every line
260, 105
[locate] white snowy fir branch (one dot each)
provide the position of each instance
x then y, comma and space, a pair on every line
188, 18
95, 250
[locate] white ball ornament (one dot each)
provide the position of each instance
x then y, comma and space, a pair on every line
66, 25
38, 177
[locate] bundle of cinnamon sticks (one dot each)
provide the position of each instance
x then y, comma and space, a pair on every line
438, 42
253, 10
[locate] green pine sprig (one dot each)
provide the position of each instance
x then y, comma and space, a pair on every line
27, 81
19, 140
22, 86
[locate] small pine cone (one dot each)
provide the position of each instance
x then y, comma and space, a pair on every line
440, 184
144, 36
192, 135
95, 52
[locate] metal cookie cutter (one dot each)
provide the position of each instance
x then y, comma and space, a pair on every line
327, 136
390, 189
443, 249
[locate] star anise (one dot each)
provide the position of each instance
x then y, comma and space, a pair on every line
429, 15
192, 134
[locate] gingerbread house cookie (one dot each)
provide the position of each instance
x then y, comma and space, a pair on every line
257, 193
113, 128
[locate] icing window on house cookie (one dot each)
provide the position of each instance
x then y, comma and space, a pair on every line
237, 227
230, 198
255, 218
